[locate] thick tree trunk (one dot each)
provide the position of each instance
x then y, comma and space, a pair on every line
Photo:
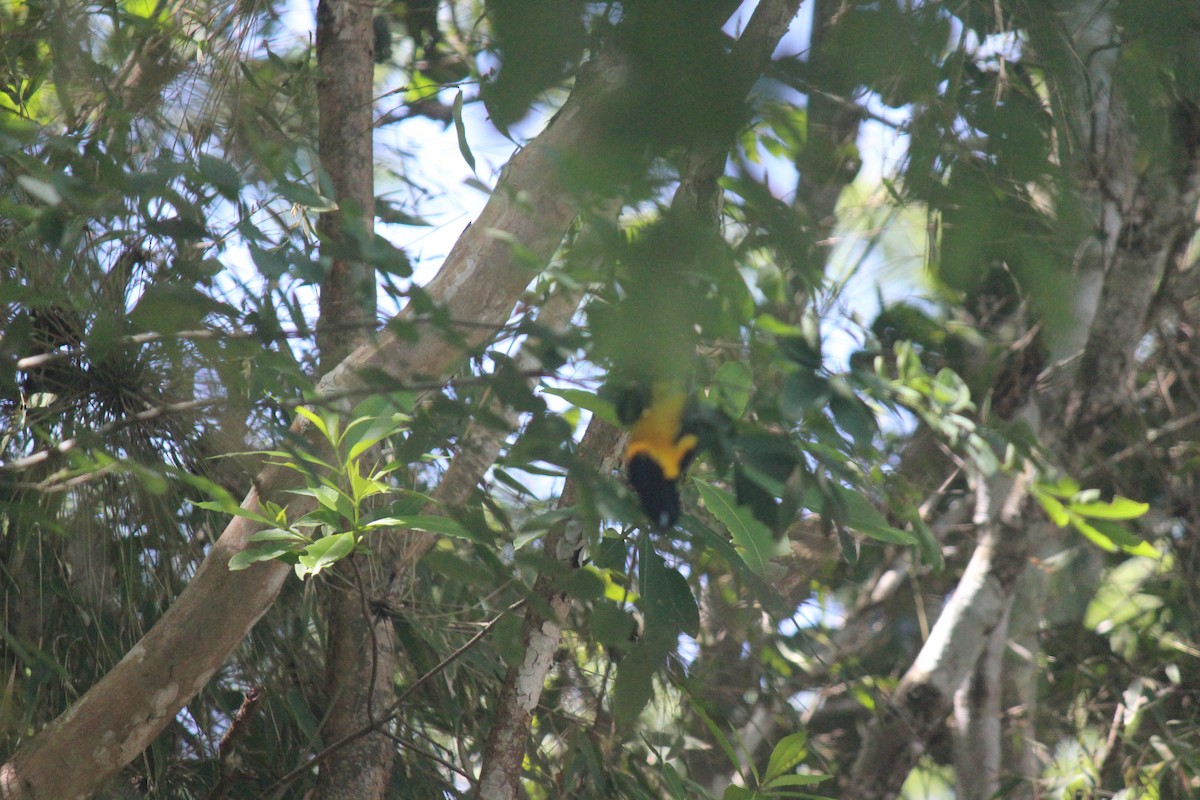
481, 280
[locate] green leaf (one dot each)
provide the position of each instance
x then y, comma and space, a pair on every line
1055, 510
316, 421
755, 542
867, 520
787, 753
670, 608
1110, 536
278, 535
222, 175
328, 497
773, 325
807, 779
772, 601
1065, 487
244, 558
612, 625
854, 417
40, 189
236, 510
731, 387
739, 793
366, 432
430, 523
721, 740
589, 401
634, 685
1119, 508
460, 130
303, 195
1118, 599
802, 391
324, 552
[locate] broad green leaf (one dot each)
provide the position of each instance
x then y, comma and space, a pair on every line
803, 390
733, 792
222, 175
324, 552
668, 604
1119, 508
866, 519
328, 497
612, 625
854, 417
1065, 487
316, 421
365, 432
787, 753
772, 601
1055, 510
731, 387
613, 589
634, 685
1111, 536
362, 487
1118, 599
755, 542
773, 325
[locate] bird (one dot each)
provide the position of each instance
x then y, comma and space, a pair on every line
658, 454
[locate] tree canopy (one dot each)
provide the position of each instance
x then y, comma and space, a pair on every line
293, 506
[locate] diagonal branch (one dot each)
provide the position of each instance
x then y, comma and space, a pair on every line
481, 279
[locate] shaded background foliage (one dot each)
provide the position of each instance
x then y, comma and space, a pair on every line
159, 183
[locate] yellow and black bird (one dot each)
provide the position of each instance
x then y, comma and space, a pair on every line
659, 452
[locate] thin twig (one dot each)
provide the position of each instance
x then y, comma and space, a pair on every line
392, 712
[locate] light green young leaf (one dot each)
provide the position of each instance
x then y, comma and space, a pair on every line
316, 421
364, 433
1054, 509
430, 523
326, 496
324, 552
234, 510
1119, 508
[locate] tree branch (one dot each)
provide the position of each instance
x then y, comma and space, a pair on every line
481, 279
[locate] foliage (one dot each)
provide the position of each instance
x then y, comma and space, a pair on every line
159, 188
